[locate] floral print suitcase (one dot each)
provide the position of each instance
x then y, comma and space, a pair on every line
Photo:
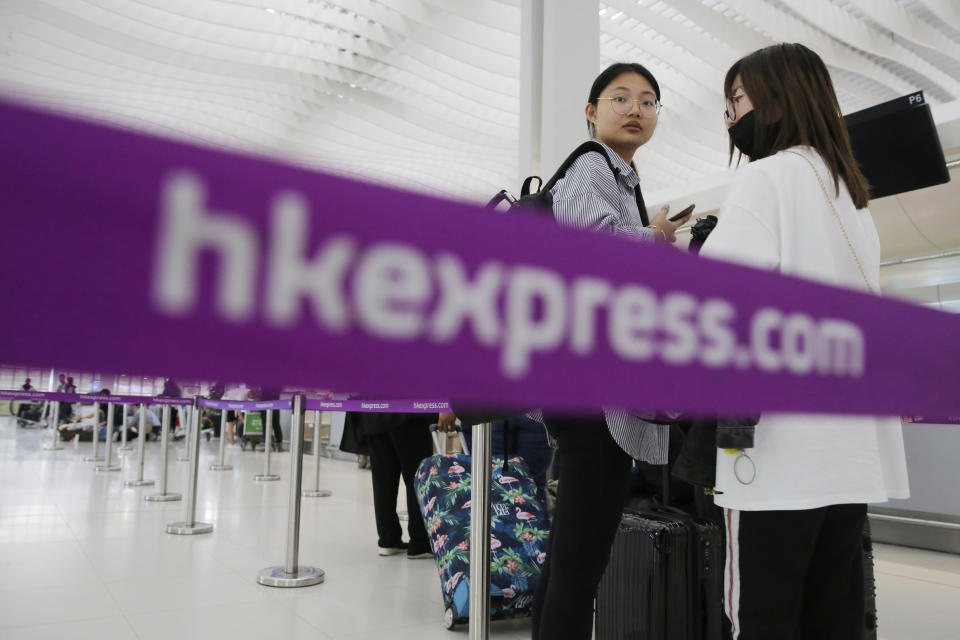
518, 530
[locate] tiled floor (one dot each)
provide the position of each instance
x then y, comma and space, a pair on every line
83, 557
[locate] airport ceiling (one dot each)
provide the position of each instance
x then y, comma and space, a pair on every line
424, 93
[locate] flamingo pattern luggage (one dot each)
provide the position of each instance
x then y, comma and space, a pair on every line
518, 533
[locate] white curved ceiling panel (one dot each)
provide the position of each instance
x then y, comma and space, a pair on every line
425, 93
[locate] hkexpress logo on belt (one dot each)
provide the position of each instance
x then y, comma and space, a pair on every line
392, 285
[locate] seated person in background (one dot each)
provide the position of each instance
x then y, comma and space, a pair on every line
133, 421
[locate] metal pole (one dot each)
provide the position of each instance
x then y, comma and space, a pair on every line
316, 492
292, 574
108, 464
188, 418
141, 451
479, 628
95, 456
266, 476
189, 526
123, 434
220, 466
55, 441
163, 496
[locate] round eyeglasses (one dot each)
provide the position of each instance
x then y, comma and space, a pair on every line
622, 105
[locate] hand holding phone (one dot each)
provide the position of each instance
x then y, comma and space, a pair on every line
683, 214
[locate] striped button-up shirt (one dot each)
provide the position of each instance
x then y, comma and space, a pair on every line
589, 196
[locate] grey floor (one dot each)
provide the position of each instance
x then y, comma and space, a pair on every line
83, 557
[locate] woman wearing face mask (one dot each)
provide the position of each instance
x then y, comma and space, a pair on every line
595, 452
795, 497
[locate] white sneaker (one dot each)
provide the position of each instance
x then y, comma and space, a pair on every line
392, 551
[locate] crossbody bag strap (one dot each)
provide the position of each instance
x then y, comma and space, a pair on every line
836, 215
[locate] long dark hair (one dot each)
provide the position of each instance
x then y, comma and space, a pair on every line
790, 84
609, 74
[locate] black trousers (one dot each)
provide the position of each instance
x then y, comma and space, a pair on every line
795, 575
594, 472
394, 454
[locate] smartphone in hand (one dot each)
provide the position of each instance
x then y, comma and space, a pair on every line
683, 214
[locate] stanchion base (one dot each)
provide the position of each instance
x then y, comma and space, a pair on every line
162, 497
186, 529
316, 493
138, 483
103, 467
52, 447
221, 467
97, 459
183, 459
265, 478
126, 448
278, 577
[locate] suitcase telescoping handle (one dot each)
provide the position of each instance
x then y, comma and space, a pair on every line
442, 448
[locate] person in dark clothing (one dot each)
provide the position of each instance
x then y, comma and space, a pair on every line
273, 393
398, 443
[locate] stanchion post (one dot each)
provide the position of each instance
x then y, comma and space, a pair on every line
163, 496
316, 492
188, 418
189, 526
220, 466
55, 441
479, 628
141, 451
292, 574
95, 456
108, 463
266, 476
123, 433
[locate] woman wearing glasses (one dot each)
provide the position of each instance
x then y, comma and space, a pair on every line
595, 452
795, 498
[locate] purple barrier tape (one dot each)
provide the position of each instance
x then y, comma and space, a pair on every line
39, 396
48, 396
244, 405
234, 266
935, 420
378, 406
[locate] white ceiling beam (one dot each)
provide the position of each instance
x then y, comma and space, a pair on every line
786, 28
745, 40
843, 26
946, 10
709, 53
907, 25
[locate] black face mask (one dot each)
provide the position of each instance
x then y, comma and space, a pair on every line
742, 134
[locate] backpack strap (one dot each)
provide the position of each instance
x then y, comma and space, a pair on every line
587, 147
526, 189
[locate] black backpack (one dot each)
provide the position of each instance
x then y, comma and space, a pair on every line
541, 200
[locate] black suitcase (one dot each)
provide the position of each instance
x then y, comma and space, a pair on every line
664, 579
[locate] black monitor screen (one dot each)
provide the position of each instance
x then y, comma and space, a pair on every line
897, 146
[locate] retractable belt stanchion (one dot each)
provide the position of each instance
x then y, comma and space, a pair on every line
95, 456
163, 496
108, 463
316, 492
266, 476
293, 574
220, 466
123, 433
54, 444
188, 428
141, 451
480, 533
189, 526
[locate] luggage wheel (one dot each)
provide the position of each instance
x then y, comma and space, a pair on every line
450, 617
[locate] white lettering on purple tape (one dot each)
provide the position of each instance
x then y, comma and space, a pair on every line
393, 284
